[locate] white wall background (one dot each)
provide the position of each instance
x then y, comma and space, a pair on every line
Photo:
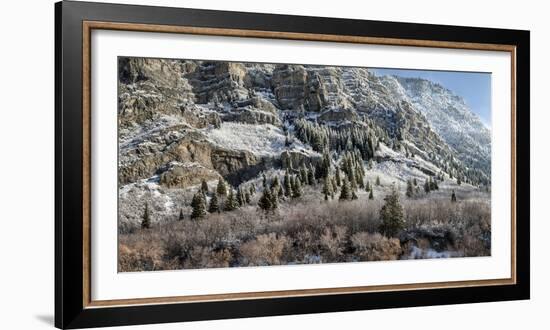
27, 168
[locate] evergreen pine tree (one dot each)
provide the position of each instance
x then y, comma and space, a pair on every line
360, 180
338, 177
264, 181
274, 200
146, 218
198, 205
304, 174
368, 186
345, 190
276, 186
410, 191
377, 180
392, 215
181, 217
427, 186
265, 201
311, 175
354, 195
415, 182
240, 197
371, 195
231, 202
453, 197
214, 204
287, 185
221, 189
297, 191
204, 187
327, 188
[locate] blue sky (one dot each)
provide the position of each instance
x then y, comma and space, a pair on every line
474, 87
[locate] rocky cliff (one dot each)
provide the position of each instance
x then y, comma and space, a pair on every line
182, 121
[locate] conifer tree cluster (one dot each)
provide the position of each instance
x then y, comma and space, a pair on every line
223, 198
430, 184
363, 139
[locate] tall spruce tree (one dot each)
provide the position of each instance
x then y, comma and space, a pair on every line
304, 174
410, 191
221, 189
338, 177
377, 180
231, 202
311, 175
204, 187
287, 185
327, 188
214, 206
297, 191
181, 217
198, 204
391, 214
265, 200
146, 218
274, 200
275, 186
371, 195
345, 190
240, 197
427, 186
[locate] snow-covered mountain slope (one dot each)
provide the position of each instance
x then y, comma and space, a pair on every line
451, 118
183, 121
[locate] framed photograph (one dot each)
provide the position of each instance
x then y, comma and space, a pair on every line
218, 164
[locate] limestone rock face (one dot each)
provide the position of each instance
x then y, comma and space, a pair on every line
219, 82
289, 86
148, 157
179, 175
149, 87
254, 110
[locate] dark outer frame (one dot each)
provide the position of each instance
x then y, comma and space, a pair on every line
70, 309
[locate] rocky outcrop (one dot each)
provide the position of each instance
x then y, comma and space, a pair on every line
254, 110
338, 115
150, 87
295, 159
145, 159
178, 175
289, 86
219, 82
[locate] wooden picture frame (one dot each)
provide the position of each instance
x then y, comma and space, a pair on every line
74, 307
